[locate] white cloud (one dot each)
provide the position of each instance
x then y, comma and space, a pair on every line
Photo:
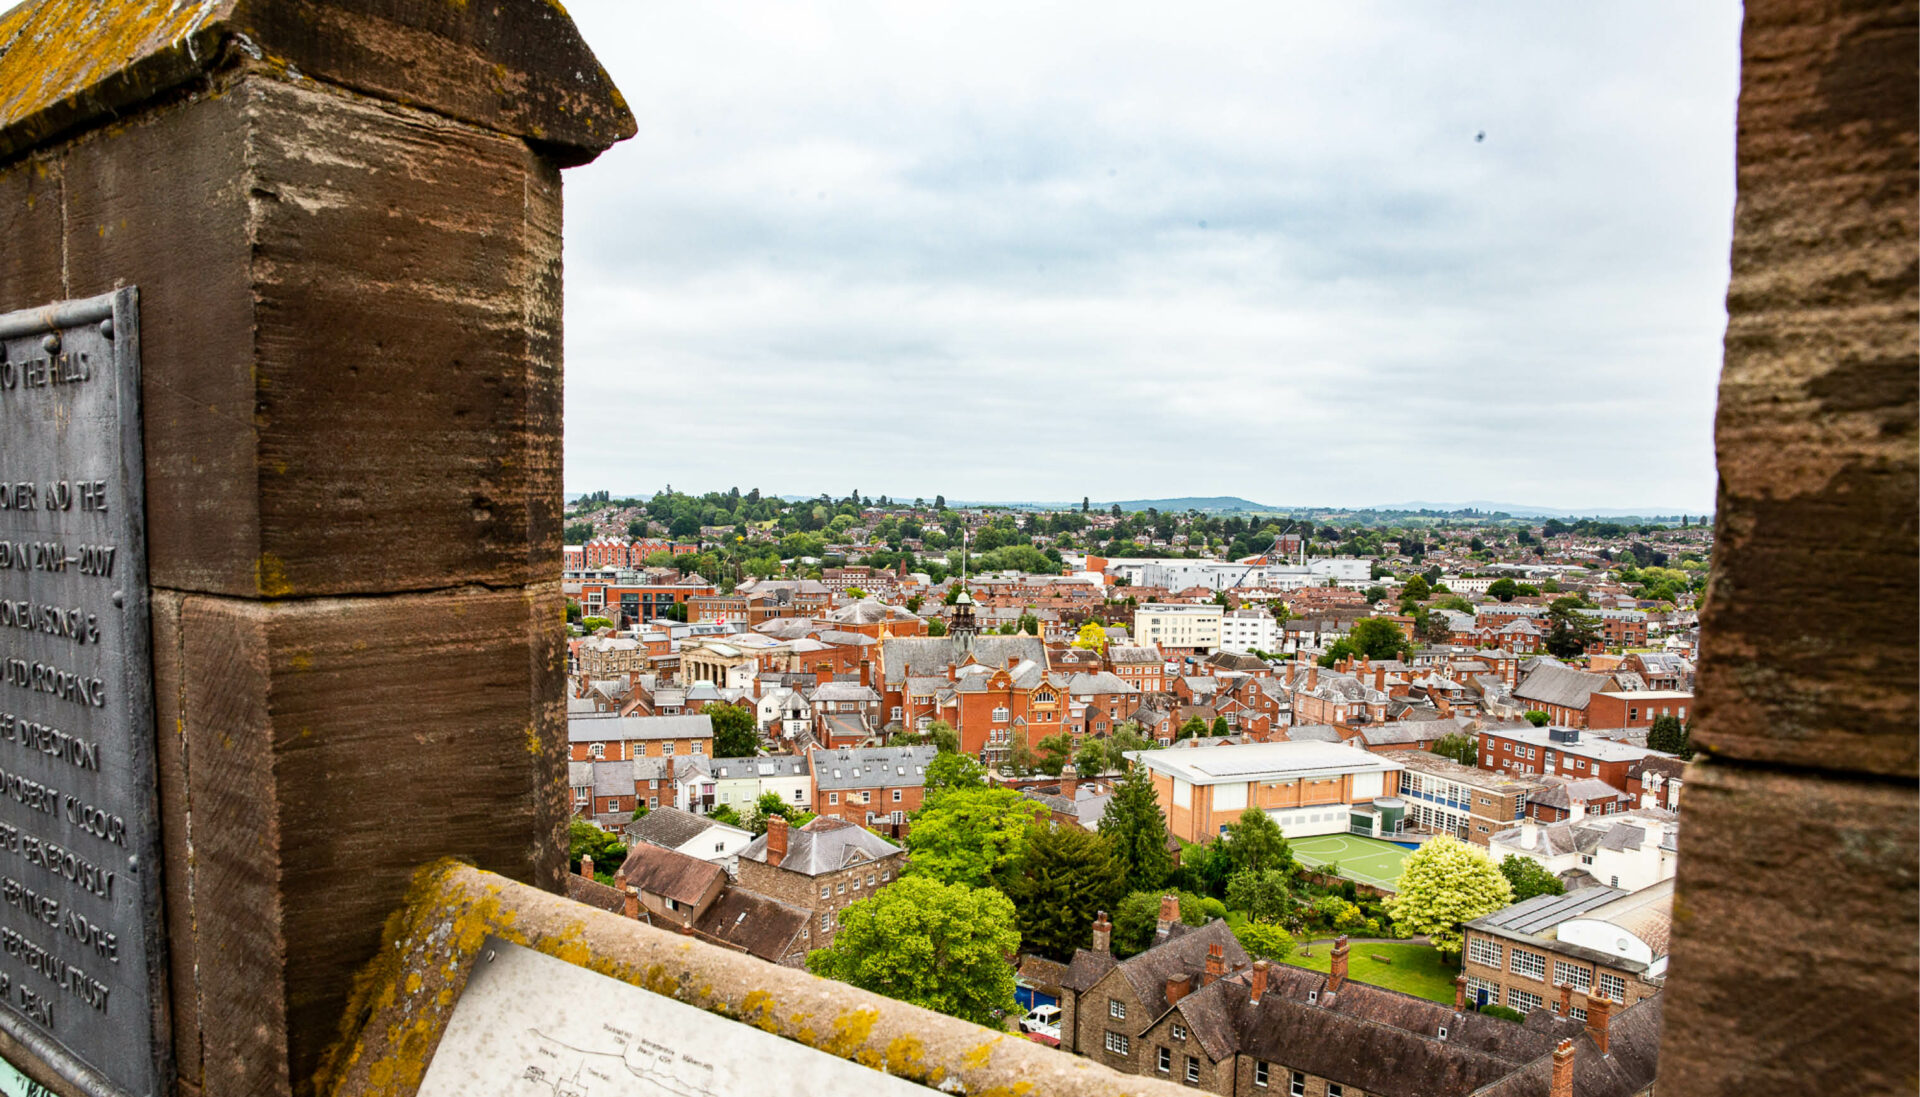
1040, 251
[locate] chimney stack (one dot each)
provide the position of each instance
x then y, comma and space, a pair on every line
1259, 981
1576, 810
1337, 968
1459, 993
586, 866
1599, 1012
776, 840
1562, 1085
1177, 987
1566, 1000
633, 903
1216, 964
1313, 676
1380, 679
1102, 933
1169, 914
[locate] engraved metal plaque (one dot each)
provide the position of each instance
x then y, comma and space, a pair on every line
530, 1025
81, 964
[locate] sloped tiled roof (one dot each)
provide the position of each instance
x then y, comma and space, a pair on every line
826, 844
754, 923
657, 870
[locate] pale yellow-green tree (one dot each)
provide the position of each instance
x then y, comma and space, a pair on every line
1091, 636
1443, 884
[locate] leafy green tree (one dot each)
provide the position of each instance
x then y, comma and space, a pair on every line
1537, 718
1138, 915
936, 945
1195, 725
1569, 632
974, 837
1127, 738
948, 772
725, 814
936, 627
1220, 726
1375, 594
1264, 941
1091, 761
1021, 759
1264, 894
1670, 735
593, 623
1417, 589
1138, 830
1443, 884
1378, 638
1029, 624
1068, 874
769, 805
1055, 752
586, 840
734, 732
1462, 748
1255, 843
578, 533
1529, 878
1503, 589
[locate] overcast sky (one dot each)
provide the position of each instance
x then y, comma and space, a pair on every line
1043, 251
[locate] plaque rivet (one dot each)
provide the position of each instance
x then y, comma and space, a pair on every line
106, 327
133, 861
51, 343
119, 599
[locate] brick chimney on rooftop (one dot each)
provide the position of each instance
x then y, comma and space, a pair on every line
1259, 981
1177, 987
1459, 993
1169, 914
1566, 999
1380, 679
586, 866
1102, 933
1337, 967
776, 840
1216, 964
1562, 1085
1599, 1012
632, 903
1313, 676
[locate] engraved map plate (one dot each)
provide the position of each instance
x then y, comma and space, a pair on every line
81, 975
530, 1025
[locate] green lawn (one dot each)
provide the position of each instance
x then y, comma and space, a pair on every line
1416, 969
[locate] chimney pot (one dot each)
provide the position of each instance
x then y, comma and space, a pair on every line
1260, 968
586, 866
632, 903
1102, 932
1562, 1085
1169, 914
1459, 993
1599, 1013
1337, 966
1216, 964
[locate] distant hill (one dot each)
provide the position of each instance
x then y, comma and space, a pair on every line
1211, 504
1519, 510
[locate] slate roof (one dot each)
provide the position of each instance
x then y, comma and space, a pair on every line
845, 691
1629, 1066
669, 827
1086, 969
871, 767
1098, 683
768, 765
905, 656
1313, 733
754, 923
1562, 686
602, 729
1129, 654
1535, 916
595, 894
1563, 794
657, 870
1181, 954
826, 844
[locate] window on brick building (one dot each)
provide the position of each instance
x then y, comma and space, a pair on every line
1579, 976
1165, 1060
1116, 1009
1522, 1001
1193, 1070
1530, 964
1118, 1043
1297, 1085
1259, 1073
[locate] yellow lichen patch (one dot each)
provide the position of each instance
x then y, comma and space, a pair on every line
851, 1030
413, 982
300, 660
905, 1055
270, 576
979, 1057
757, 1010
533, 741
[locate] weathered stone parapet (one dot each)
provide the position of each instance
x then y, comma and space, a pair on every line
1796, 956
404, 1000
343, 219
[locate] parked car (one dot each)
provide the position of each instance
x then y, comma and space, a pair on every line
1042, 1022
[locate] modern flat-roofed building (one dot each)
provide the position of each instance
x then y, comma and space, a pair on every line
1178, 629
1562, 751
1308, 787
